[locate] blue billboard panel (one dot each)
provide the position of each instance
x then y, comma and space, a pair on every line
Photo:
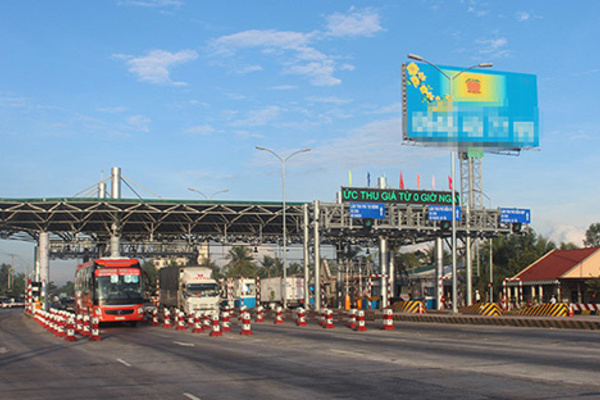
471, 109
515, 215
443, 213
367, 210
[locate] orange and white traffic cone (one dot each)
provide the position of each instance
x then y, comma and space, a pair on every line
352, 319
328, 319
361, 325
246, 326
279, 316
388, 320
95, 336
216, 326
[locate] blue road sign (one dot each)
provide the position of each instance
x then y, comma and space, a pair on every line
367, 210
443, 213
515, 215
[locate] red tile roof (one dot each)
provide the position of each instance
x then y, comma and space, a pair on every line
555, 264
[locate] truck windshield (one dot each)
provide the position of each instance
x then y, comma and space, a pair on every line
202, 290
119, 289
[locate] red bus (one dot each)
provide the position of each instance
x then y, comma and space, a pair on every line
110, 289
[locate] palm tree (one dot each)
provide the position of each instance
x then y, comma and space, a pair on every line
240, 262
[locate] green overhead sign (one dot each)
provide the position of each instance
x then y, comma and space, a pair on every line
397, 196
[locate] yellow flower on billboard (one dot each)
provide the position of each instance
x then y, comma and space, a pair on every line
412, 68
423, 89
415, 81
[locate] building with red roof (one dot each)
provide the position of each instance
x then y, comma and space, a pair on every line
559, 273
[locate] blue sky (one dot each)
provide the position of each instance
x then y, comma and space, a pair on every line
178, 94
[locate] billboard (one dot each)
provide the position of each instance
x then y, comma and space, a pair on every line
475, 109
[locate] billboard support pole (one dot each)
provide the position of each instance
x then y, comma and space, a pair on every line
454, 272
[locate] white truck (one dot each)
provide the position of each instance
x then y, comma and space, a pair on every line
271, 291
189, 289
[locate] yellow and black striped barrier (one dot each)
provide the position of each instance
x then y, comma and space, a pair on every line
544, 310
487, 309
411, 306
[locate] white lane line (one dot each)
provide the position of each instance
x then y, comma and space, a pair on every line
125, 363
3, 350
184, 344
350, 353
191, 396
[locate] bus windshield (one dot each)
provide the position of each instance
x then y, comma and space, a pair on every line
119, 289
202, 290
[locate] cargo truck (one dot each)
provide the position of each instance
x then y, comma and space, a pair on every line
189, 289
271, 291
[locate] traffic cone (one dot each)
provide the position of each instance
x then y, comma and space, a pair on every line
328, 319
570, 313
167, 319
216, 326
246, 326
180, 321
361, 326
95, 336
260, 316
198, 323
300, 317
388, 320
352, 319
71, 330
225, 327
279, 316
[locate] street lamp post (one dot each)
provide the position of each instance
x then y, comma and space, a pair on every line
283, 161
451, 79
208, 197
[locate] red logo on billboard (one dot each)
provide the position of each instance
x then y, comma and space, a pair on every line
473, 86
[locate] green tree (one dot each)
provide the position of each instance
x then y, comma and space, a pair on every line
270, 266
593, 287
592, 236
568, 246
240, 262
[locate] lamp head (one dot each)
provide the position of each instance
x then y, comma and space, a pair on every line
415, 57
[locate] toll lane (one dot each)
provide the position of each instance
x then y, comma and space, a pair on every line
420, 361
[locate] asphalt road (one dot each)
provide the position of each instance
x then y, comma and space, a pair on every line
415, 361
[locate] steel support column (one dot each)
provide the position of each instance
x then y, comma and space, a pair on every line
317, 253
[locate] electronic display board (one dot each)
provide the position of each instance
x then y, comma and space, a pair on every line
473, 109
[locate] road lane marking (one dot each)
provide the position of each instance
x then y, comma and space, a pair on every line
191, 396
3, 350
184, 344
125, 363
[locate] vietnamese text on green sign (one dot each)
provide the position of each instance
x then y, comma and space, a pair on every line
397, 196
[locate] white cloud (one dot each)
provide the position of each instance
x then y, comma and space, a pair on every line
138, 123
284, 87
16, 102
494, 47
523, 16
111, 110
151, 3
567, 234
259, 117
155, 66
201, 129
330, 100
354, 23
372, 144
296, 51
